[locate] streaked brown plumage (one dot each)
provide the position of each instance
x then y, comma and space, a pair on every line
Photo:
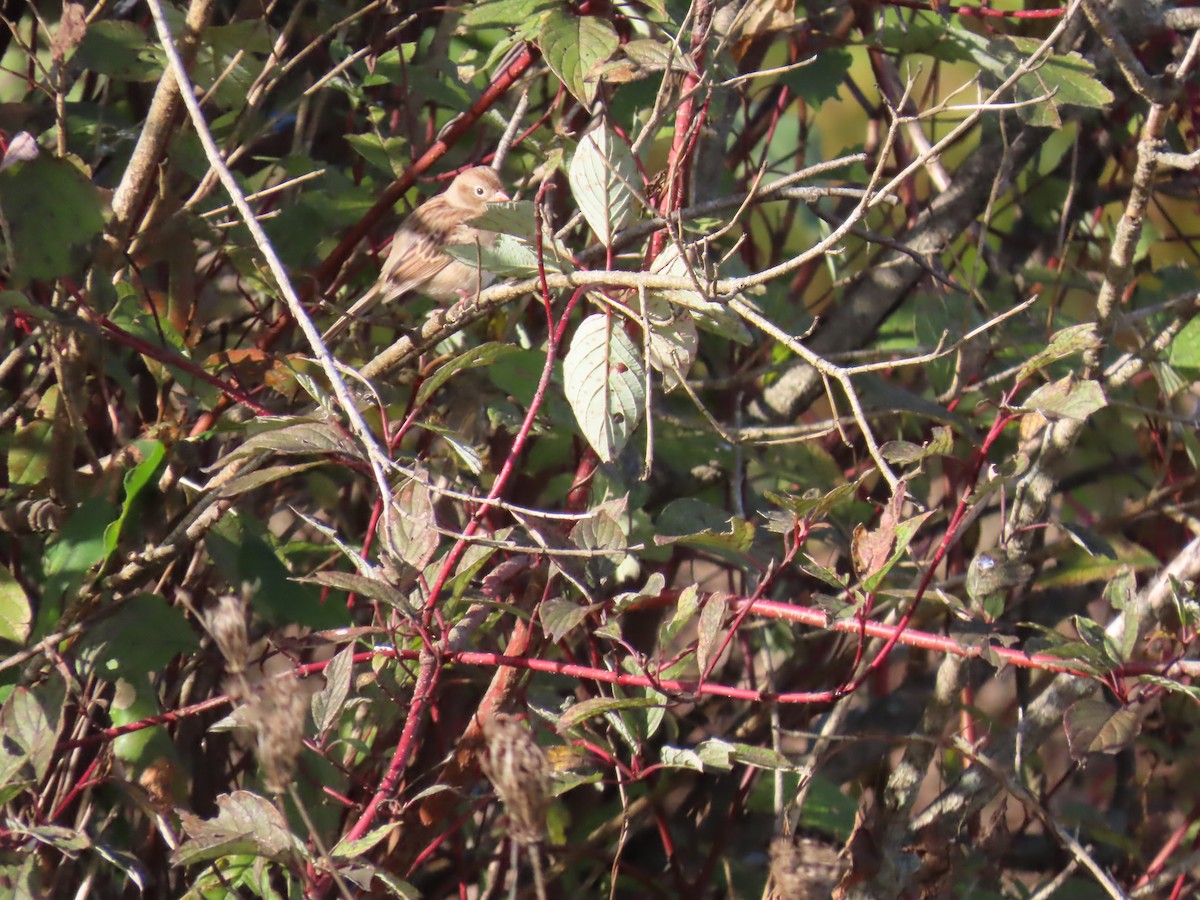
416, 261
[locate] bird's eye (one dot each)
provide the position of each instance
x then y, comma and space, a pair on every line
480, 191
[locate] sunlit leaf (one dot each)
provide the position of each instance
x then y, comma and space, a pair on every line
244, 823
505, 13
411, 532
559, 617
578, 713
327, 703
1067, 398
1067, 342
603, 176
604, 382
347, 849
712, 617
573, 45
16, 614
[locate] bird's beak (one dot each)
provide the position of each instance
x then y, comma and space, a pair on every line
501, 197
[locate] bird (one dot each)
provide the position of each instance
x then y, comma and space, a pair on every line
416, 261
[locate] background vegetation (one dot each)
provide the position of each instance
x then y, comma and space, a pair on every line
809, 507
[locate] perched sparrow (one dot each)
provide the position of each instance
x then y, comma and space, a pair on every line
416, 261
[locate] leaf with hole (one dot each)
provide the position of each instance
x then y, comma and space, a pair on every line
244, 823
605, 383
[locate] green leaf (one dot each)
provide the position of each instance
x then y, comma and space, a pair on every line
686, 607
692, 521
49, 211
654, 587
579, 713
1092, 726
925, 34
518, 374
822, 573
1091, 541
1120, 593
1183, 598
135, 482
814, 505
1069, 75
1092, 634
120, 50
822, 78
238, 547
79, 546
242, 484
559, 617
505, 257
29, 453
1076, 567
16, 615
1059, 79
139, 639
1184, 352
647, 56
505, 13
904, 453
30, 720
573, 46
880, 393
371, 588
681, 758
905, 532
720, 755
605, 384
603, 177
385, 153
674, 341
512, 217
346, 849
66, 840
712, 617
296, 436
327, 703
245, 823
412, 536
1067, 398
601, 532
134, 702
1067, 342
1190, 691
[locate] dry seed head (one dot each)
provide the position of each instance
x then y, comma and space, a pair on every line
279, 711
804, 868
226, 623
520, 772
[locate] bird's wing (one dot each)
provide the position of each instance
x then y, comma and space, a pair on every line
414, 258
416, 253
